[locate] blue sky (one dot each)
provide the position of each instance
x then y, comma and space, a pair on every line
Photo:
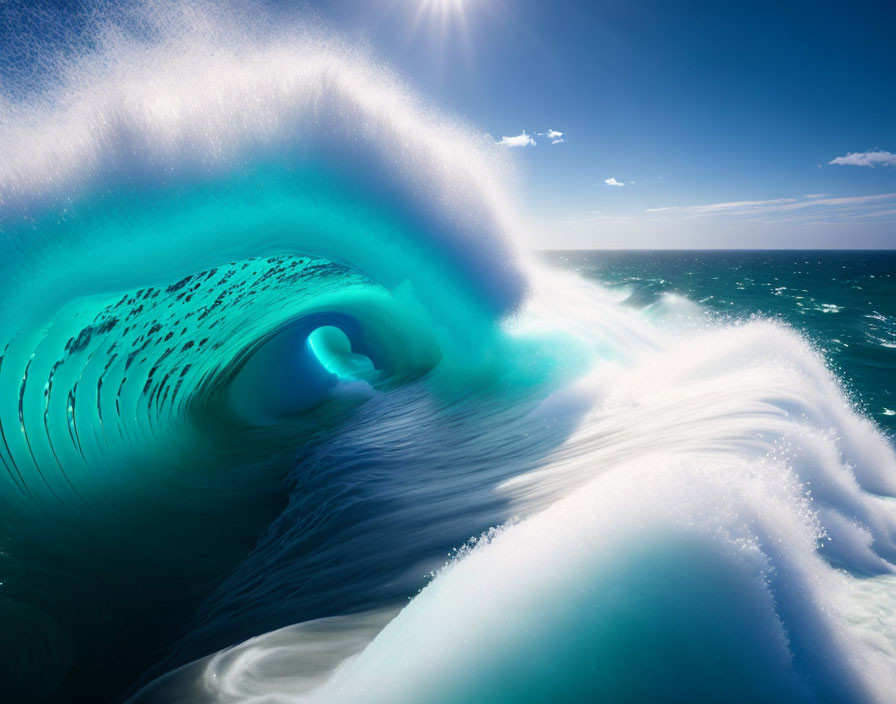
684, 124
721, 119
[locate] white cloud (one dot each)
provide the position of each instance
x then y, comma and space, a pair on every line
812, 206
613, 182
521, 140
839, 203
553, 135
872, 159
877, 213
526, 140
800, 221
716, 207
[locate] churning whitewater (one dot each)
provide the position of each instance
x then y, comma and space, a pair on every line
270, 350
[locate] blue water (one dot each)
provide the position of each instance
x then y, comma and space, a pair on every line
288, 413
844, 302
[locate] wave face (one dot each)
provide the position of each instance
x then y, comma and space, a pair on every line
270, 352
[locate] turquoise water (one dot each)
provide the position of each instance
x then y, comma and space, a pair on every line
288, 413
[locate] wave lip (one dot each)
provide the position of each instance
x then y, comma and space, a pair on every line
211, 97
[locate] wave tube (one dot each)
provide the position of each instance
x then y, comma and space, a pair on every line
216, 200
218, 239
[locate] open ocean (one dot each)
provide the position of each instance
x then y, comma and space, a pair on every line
843, 301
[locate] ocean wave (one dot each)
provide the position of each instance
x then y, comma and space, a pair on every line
718, 516
270, 350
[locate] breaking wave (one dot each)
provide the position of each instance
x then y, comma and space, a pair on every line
271, 350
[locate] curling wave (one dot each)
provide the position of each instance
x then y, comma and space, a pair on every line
270, 351
216, 242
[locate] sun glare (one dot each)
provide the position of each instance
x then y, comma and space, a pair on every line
443, 13
444, 24
449, 29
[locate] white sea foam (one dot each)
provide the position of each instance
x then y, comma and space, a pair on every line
725, 497
720, 526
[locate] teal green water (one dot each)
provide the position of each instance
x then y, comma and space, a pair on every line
169, 356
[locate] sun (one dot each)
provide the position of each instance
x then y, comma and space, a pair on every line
443, 12
448, 29
444, 6
445, 21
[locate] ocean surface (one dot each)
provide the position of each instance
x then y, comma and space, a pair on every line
289, 411
844, 302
